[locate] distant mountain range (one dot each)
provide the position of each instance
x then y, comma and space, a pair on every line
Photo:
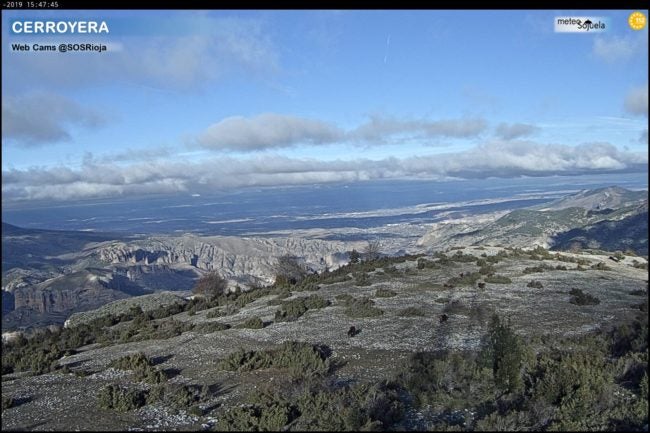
612, 197
583, 216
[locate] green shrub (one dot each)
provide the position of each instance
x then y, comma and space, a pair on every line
510, 421
267, 417
538, 269
7, 402
135, 361
576, 385
299, 359
487, 269
227, 310
385, 293
160, 330
630, 336
179, 396
426, 264
294, 308
498, 279
467, 279
195, 410
210, 327
446, 380
600, 266
344, 298
166, 311
252, 323
361, 279
361, 407
141, 366
362, 307
542, 252
411, 312
580, 298
462, 258
121, 399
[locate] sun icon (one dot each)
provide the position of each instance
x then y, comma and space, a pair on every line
637, 21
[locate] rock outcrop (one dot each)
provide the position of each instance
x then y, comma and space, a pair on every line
106, 271
237, 259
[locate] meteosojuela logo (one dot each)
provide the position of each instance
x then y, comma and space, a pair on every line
20, 27
580, 24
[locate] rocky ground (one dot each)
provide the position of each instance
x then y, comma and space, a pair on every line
68, 401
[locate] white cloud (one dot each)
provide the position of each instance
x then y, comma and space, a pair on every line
266, 131
43, 118
497, 158
514, 130
636, 101
381, 128
274, 131
617, 49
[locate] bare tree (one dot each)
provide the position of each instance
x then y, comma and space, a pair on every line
211, 285
372, 251
289, 271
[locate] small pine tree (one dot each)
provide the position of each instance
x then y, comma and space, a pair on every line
506, 351
354, 256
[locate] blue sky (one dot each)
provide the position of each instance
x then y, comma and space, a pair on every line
188, 101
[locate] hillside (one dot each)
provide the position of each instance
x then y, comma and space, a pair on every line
284, 358
626, 234
612, 197
582, 216
76, 271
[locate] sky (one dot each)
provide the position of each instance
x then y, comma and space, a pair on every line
196, 101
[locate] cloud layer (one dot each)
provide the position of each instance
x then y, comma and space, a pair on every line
493, 159
43, 118
380, 128
274, 131
267, 131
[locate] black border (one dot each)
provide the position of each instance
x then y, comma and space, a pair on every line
292, 4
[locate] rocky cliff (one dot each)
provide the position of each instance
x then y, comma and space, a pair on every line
239, 259
101, 272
